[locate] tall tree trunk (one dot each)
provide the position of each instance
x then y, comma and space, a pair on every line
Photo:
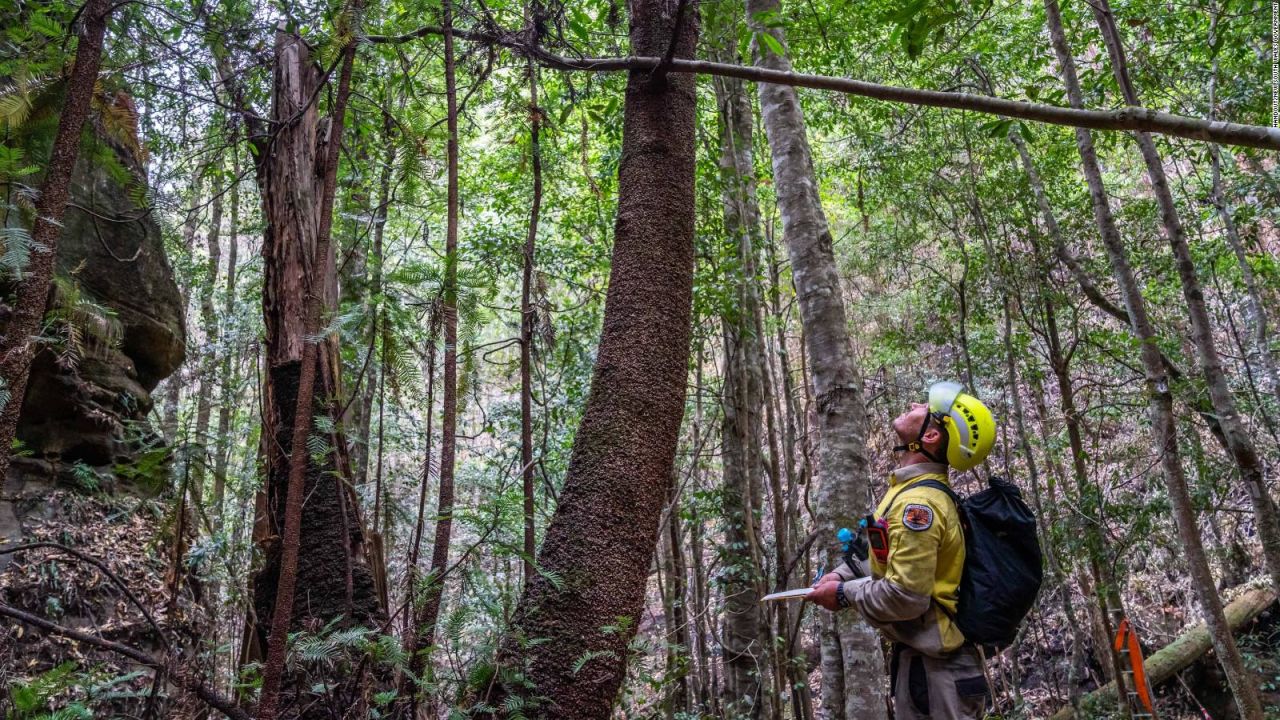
745, 639
415, 544
1033, 472
678, 638
366, 270
1109, 603
1239, 442
1163, 425
32, 295
226, 373
1243, 684
707, 688
527, 319
298, 181
853, 665
601, 540
1255, 312
429, 611
198, 456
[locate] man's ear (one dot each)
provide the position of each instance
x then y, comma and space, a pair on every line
932, 436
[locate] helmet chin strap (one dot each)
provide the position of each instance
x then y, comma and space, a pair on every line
917, 445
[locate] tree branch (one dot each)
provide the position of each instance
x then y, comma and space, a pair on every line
102, 567
1127, 118
213, 699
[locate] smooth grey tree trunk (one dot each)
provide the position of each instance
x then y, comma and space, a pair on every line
1163, 425
745, 639
226, 372
852, 662
199, 451
1243, 684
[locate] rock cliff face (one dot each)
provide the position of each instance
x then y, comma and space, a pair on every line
123, 330
91, 464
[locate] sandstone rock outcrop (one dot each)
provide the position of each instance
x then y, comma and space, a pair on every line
82, 402
91, 465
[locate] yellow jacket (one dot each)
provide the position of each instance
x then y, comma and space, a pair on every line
912, 596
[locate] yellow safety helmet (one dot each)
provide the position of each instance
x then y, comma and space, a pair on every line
970, 426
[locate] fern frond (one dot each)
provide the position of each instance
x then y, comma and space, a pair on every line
317, 446
17, 244
16, 98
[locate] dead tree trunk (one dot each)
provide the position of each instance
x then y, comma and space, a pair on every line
321, 550
601, 541
17, 345
853, 666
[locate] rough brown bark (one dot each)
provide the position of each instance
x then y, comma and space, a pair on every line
298, 181
17, 345
600, 542
853, 666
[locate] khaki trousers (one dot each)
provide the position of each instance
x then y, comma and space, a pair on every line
950, 688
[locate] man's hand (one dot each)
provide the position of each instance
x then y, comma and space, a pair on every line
825, 592
829, 577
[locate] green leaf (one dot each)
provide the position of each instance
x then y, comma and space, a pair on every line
771, 42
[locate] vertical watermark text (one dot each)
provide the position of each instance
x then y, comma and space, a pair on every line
1275, 63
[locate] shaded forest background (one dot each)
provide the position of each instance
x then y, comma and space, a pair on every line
441, 274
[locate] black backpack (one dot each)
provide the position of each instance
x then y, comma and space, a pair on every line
1002, 562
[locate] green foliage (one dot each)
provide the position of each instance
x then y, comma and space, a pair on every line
68, 692
85, 477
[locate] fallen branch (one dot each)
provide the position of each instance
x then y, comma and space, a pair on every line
1177, 655
1127, 118
210, 697
105, 571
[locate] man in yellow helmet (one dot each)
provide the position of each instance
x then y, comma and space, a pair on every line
907, 586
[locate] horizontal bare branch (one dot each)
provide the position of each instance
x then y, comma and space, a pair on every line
1127, 118
212, 698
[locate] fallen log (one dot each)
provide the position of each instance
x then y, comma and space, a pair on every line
1179, 654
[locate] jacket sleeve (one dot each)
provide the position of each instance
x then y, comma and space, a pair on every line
906, 590
847, 573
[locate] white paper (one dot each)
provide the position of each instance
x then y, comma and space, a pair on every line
796, 594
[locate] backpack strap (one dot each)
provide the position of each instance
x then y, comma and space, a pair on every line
939, 485
964, 525
956, 499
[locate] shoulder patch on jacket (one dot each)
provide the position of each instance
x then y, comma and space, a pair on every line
917, 517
